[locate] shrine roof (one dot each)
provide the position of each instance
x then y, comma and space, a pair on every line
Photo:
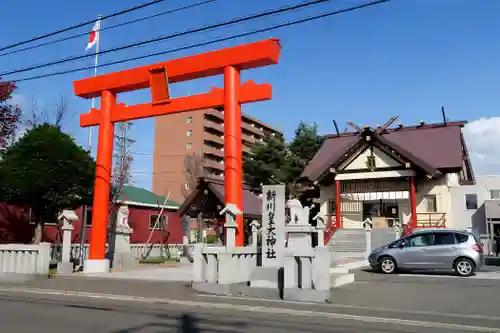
433, 146
252, 204
137, 196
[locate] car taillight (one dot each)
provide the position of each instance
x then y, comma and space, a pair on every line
478, 248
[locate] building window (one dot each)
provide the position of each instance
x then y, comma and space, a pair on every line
495, 194
31, 217
88, 218
430, 203
188, 145
186, 186
471, 201
189, 120
154, 223
189, 133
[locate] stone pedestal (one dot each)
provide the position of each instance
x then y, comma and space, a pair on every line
92, 266
66, 217
299, 238
230, 212
66, 266
255, 232
368, 226
320, 229
120, 253
267, 277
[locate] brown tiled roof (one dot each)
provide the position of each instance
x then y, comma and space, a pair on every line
252, 205
432, 147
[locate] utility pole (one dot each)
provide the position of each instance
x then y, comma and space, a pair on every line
123, 158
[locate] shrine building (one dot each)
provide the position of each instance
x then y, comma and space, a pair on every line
395, 177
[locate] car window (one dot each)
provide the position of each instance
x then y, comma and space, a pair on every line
397, 243
444, 238
461, 238
421, 240
476, 237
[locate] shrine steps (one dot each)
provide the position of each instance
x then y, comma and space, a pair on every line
348, 240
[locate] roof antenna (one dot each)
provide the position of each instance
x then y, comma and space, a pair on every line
444, 116
356, 127
381, 129
336, 127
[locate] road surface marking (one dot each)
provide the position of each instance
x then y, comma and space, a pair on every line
257, 309
495, 275
357, 307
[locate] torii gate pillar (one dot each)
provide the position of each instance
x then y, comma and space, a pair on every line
233, 168
157, 77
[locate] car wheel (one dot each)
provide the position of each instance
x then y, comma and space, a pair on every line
387, 265
464, 267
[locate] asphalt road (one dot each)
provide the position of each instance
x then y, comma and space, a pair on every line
58, 314
375, 303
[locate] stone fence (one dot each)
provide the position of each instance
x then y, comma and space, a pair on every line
218, 264
221, 270
25, 258
140, 251
35, 258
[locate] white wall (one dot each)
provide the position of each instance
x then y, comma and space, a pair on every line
472, 218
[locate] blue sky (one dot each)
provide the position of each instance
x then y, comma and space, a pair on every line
405, 57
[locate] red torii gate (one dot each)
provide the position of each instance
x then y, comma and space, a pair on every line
158, 76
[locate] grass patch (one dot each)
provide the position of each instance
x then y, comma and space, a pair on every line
158, 260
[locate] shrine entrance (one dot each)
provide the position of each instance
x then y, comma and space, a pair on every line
157, 78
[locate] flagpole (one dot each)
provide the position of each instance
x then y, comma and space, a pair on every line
96, 63
85, 213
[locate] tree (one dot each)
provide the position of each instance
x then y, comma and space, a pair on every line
38, 116
305, 143
268, 163
47, 171
274, 161
10, 115
193, 169
123, 161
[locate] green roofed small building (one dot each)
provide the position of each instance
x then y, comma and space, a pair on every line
144, 207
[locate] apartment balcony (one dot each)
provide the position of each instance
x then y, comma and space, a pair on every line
214, 138
244, 123
219, 128
249, 138
213, 151
210, 163
215, 113
250, 128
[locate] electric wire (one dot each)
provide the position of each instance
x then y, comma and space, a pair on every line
213, 41
171, 11
178, 34
79, 25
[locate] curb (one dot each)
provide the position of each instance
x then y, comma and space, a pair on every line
346, 268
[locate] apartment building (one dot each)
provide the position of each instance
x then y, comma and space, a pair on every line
199, 136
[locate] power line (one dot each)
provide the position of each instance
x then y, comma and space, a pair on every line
179, 34
76, 26
171, 11
214, 41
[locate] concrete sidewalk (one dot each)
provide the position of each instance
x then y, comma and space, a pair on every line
181, 272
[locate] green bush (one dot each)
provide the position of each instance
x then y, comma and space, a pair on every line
157, 260
211, 239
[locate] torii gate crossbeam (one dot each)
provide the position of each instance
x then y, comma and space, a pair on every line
157, 77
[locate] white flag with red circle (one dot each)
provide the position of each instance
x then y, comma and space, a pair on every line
94, 35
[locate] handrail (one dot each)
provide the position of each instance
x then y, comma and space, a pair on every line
331, 227
430, 220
